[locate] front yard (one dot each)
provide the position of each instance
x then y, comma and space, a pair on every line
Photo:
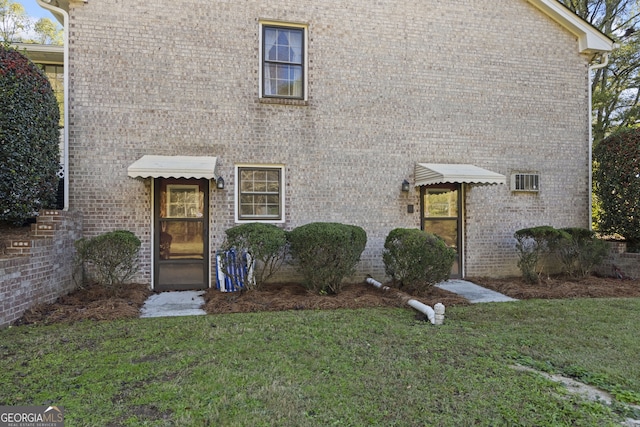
373, 366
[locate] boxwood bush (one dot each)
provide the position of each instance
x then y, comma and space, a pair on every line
580, 251
326, 253
577, 249
533, 246
29, 132
113, 256
264, 243
415, 259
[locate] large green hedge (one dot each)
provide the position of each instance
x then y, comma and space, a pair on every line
617, 185
29, 137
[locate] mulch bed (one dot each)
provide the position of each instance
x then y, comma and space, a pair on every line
98, 303
563, 287
94, 302
293, 296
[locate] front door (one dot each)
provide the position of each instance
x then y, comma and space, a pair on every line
441, 207
181, 241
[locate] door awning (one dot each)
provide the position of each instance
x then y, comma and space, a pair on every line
150, 166
440, 173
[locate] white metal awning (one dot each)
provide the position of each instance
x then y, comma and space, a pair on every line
440, 173
150, 166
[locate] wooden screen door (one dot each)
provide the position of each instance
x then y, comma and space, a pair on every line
441, 207
181, 241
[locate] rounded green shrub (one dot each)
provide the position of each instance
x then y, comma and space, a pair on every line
265, 244
580, 251
616, 180
534, 245
415, 259
326, 253
113, 256
29, 132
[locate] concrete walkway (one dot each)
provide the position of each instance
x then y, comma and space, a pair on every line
473, 292
179, 303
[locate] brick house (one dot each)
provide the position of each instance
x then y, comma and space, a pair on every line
468, 119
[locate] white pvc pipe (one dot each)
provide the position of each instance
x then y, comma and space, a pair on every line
423, 308
377, 284
436, 317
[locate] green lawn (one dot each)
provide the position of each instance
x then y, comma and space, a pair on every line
324, 368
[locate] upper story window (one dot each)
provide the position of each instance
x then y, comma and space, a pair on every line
283, 68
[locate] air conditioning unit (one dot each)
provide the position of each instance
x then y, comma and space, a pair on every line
525, 182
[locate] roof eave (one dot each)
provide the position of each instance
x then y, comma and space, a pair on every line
590, 39
62, 4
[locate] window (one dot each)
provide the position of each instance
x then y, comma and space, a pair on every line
184, 201
283, 62
259, 191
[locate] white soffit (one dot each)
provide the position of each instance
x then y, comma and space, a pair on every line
440, 173
150, 166
590, 39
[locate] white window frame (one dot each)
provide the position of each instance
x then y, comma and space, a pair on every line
305, 60
281, 168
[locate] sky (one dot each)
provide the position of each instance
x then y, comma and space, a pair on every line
33, 9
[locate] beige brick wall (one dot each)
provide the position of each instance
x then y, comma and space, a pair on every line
492, 83
43, 272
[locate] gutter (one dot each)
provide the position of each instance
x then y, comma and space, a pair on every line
65, 27
603, 63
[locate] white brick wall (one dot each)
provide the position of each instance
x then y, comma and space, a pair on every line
494, 83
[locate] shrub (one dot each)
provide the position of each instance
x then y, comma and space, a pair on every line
114, 255
580, 251
617, 185
416, 259
534, 245
29, 132
326, 253
265, 244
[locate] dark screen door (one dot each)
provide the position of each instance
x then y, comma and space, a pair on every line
181, 234
442, 216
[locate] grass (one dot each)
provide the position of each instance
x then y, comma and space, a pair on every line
323, 368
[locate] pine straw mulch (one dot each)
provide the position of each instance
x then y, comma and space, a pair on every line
293, 296
93, 302
97, 303
559, 287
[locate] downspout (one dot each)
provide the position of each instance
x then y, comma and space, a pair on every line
604, 62
65, 144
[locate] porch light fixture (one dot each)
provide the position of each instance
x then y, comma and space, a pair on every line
220, 183
405, 186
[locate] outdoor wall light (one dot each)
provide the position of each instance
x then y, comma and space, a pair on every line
220, 183
405, 186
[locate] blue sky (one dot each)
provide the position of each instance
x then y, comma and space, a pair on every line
33, 9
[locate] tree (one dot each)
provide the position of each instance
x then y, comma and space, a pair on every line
616, 87
29, 137
617, 185
48, 32
13, 21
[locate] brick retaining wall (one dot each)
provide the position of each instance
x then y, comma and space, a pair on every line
620, 263
39, 269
